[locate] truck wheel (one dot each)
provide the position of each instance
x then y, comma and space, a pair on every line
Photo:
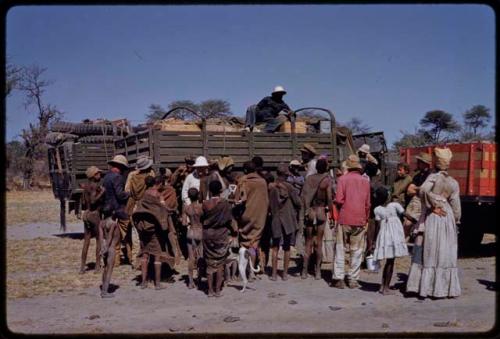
469, 239
470, 231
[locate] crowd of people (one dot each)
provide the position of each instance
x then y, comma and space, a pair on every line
204, 212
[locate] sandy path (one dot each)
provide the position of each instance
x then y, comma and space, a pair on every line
295, 306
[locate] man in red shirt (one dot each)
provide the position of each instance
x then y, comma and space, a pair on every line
353, 201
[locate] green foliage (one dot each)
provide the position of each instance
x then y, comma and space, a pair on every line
213, 108
439, 121
476, 118
420, 138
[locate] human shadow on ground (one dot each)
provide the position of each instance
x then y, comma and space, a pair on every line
490, 285
73, 235
400, 285
167, 274
483, 250
112, 288
368, 286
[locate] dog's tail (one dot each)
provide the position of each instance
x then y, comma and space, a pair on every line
255, 270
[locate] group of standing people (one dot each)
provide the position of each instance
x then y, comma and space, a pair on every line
211, 212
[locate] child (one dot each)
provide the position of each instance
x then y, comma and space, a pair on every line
151, 219
390, 242
110, 233
191, 219
216, 219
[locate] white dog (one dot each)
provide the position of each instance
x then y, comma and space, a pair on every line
243, 261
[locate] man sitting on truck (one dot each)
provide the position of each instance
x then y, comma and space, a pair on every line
271, 110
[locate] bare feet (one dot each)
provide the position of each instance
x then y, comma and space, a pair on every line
387, 291
273, 278
160, 287
218, 294
210, 294
143, 285
82, 271
285, 277
107, 295
317, 276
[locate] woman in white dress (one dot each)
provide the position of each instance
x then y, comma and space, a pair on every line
441, 212
390, 243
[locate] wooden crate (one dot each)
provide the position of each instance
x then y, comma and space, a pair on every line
473, 165
300, 127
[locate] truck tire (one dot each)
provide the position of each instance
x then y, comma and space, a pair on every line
56, 138
83, 129
96, 139
470, 230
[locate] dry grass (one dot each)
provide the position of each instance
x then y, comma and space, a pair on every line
24, 207
46, 266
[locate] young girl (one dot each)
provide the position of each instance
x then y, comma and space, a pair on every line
216, 220
390, 242
191, 219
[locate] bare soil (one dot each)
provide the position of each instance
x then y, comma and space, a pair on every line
46, 295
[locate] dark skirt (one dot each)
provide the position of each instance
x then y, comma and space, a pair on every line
154, 243
215, 247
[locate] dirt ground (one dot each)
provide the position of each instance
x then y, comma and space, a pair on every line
46, 295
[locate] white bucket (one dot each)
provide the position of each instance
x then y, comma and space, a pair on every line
372, 264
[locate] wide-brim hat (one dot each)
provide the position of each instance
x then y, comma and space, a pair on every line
143, 162
308, 148
119, 160
201, 161
225, 162
295, 163
92, 171
352, 162
365, 148
279, 89
424, 157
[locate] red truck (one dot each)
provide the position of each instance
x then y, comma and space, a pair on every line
474, 167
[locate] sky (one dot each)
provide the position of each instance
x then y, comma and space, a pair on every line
385, 64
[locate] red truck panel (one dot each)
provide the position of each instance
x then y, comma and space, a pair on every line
473, 165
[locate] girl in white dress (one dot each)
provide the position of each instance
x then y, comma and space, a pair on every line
390, 242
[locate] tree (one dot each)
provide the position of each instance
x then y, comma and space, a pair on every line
357, 127
33, 84
213, 108
477, 118
12, 77
439, 121
420, 138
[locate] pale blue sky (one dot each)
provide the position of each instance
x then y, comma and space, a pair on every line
385, 64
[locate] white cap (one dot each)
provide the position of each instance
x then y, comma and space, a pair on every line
279, 89
201, 161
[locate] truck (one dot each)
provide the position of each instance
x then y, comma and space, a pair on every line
68, 162
473, 165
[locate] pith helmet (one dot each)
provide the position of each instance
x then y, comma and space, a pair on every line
364, 148
201, 161
279, 89
119, 160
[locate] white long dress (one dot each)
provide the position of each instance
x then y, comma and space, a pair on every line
438, 276
390, 241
